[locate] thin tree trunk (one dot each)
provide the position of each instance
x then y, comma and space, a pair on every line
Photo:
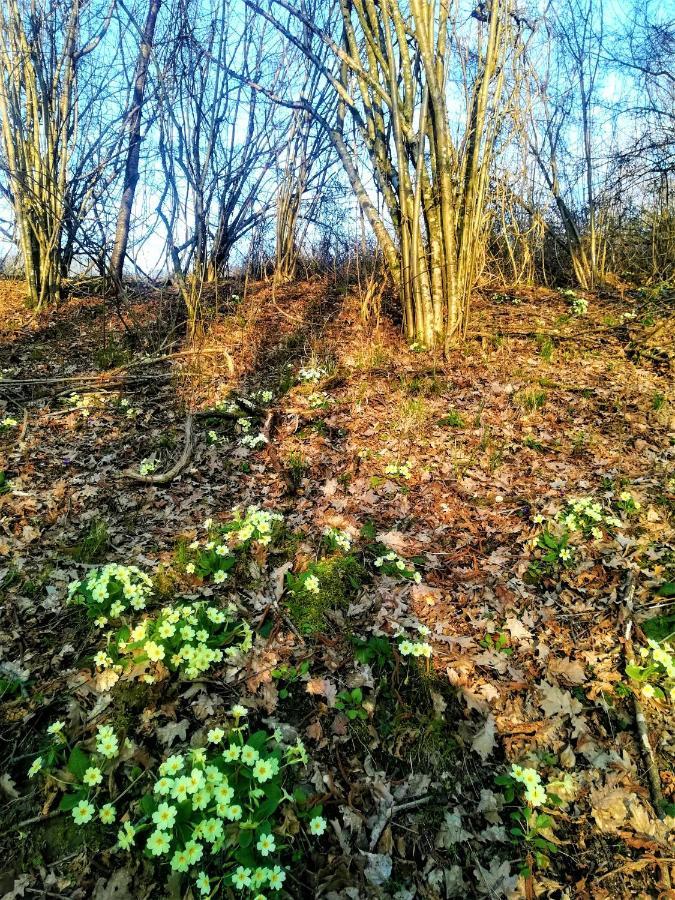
131, 172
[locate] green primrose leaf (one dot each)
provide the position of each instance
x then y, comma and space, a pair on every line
148, 804
70, 801
78, 762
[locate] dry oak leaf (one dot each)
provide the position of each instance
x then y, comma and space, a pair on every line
570, 669
105, 680
314, 731
608, 805
169, 732
556, 702
484, 740
518, 631
324, 688
394, 540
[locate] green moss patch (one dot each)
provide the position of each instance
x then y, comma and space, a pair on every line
339, 577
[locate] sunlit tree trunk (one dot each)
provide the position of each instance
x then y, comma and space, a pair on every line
391, 83
38, 120
131, 168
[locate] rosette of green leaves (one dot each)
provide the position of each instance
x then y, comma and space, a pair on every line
189, 638
111, 590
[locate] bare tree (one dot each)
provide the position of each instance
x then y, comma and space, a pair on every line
41, 51
566, 74
131, 168
306, 162
390, 81
219, 138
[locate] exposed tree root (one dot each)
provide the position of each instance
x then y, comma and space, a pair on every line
183, 462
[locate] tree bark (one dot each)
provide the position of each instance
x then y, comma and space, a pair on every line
131, 173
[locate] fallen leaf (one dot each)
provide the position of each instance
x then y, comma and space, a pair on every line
322, 687
170, 732
7, 786
484, 741
378, 868
570, 669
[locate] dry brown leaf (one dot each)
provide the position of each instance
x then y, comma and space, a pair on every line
570, 669
322, 687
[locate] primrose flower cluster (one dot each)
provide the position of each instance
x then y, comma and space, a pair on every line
51, 752
262, 396
337, 539
217, 555
656, 672
213, 809
249, 439
399, 470
319, 400
586, 515
411, 647
578, 305
88, 770
312, 373
535, 792
260, 525
125, 406
189, 638
582, 516
147, 466
7, 423
253, 441
627, 502
390, 563
84, 404
306, 581
111, 591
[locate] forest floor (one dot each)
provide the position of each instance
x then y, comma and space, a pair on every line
465, 468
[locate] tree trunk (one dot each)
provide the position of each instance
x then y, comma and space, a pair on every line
131, 173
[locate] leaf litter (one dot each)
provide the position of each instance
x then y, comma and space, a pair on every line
528, 658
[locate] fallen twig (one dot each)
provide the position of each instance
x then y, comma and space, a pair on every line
75, 379
118, 373
32, 821
635, 865
389, 814
640, 719
24, 426
166, 477
268, 426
